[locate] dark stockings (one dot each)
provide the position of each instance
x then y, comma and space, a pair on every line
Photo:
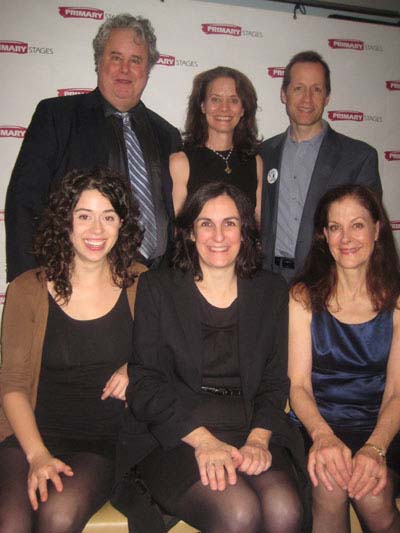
379, 514
268, 503
65, 512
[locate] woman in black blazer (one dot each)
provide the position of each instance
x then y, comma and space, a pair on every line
208, 382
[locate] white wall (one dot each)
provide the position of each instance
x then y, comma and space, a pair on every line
59, 56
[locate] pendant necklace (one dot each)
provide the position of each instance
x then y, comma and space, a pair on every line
228, 169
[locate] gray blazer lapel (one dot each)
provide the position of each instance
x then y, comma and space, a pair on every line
325, 164
270, 198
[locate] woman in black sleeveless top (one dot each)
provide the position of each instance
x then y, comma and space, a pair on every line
220, 138
66, 339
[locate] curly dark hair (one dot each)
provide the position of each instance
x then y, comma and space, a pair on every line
319, 276
308, 56
53, 248
186, 257
245, 135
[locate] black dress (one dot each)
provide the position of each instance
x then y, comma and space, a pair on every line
78, 358
206, 166
168, 474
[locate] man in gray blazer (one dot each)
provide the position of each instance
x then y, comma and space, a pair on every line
303, 162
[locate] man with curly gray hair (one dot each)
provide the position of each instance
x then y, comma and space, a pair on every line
109, 127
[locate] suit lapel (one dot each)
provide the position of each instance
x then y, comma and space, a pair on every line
184, 300
328, 156
273, 188
250, 300
324, 166
95, 129
270, 198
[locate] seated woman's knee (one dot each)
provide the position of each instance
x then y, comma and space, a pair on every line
242, 517
377, 513
329, 501
282, 510
58, 520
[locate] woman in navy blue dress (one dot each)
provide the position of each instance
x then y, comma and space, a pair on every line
344, 362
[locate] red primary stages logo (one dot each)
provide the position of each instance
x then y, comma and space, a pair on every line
393, 85
356, 116
13, 47
17, 132
392, 155
348, 44
1, 215
354, 44
72, 91
81, 12
222, 29
233, 30
166, 60
19, 47
276, 72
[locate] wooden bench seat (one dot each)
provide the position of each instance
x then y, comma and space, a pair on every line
109, 520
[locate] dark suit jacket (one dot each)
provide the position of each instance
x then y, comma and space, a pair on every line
340, 160
166, 373
68, 133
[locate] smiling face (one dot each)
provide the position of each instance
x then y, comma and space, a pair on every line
217, 234
306, 97
222, 106
95, 227
123, 69
351, 233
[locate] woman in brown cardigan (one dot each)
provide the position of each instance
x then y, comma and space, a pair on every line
66, 338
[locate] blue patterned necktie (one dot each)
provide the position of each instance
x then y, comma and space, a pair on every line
141, 187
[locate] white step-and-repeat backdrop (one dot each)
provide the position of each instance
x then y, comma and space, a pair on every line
46, 50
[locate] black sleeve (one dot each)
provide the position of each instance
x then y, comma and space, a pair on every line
28, 189
272, 394
151, 394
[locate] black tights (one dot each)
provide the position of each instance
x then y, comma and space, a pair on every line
66, 512
256, 504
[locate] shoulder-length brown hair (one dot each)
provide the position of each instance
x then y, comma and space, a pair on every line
186, 257
53, 248
319, 276
245, 135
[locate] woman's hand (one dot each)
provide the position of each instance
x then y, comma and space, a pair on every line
256, 458
329, 460
217, 462
117, 384
45, 467
369, 473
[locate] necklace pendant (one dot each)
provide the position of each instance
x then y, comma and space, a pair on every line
228, 169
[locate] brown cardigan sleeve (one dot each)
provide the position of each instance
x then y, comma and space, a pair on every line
23, 329
131, 291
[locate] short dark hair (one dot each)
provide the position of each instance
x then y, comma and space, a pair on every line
140, 26
186, 257
53, 248
246, 132
309, 56
319, 274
